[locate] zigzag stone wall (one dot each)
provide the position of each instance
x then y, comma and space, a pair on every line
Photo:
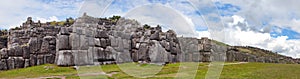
94, 41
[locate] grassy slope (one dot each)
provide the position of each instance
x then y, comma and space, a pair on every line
237, 71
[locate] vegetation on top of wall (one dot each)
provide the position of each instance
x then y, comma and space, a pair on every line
146, 26
114, 18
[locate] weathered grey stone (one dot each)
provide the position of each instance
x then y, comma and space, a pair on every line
103, 42
45, 46
165, 44
155, 36
113, 41
26, 52
63, 42
120, 45
3, 53
11, 52
97, 42
80, 57
65, 58
3, 64
26, 63
101, 34
89, 33
40, 60
64, 31
10, 63
91, 41
123, 57
101, 54
78, 30
18, 51
157, 54
126, 44
33, 60
83, 43
144, 39
74, 41
134, 55
19, 62
49, 59
35, 44
90, 55
142, 52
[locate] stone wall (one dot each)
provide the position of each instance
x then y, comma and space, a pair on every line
126, 41
94, 41
29, 46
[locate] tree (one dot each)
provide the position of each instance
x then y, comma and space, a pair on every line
115, 17
146, 26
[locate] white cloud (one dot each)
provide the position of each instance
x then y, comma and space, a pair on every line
43, 20
236, 36
13, 13
162, 15
277, 12
203, 34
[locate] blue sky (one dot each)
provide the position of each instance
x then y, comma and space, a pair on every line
272, 26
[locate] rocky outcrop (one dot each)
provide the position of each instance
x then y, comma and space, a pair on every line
94, 41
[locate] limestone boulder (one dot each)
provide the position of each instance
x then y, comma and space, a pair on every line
3, 64
3, 53
63, 43
65, 58
158, 54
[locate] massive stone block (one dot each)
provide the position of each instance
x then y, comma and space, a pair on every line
126, 44
155, 36
75, 41
158, 54
35, 44
143, 51
11, 52
63, 42
65, 58
49, 58
11, 63
80, 57
83, 42
103, 42
45, 47
26, 63
113, 41
33, 60
90, 55
18, 51
3, 53
101, 34
122, 57
26, 52
3, 64
91, 41
40, 60
64, 31
19, 62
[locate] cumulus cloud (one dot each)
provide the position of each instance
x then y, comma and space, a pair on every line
13, 13
275, 12
163, 15
43, 20
235, 35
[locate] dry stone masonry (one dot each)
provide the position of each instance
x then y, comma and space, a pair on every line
94, 41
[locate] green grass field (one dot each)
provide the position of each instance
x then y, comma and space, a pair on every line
232, 71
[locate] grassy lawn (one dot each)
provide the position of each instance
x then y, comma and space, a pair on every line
186, 70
